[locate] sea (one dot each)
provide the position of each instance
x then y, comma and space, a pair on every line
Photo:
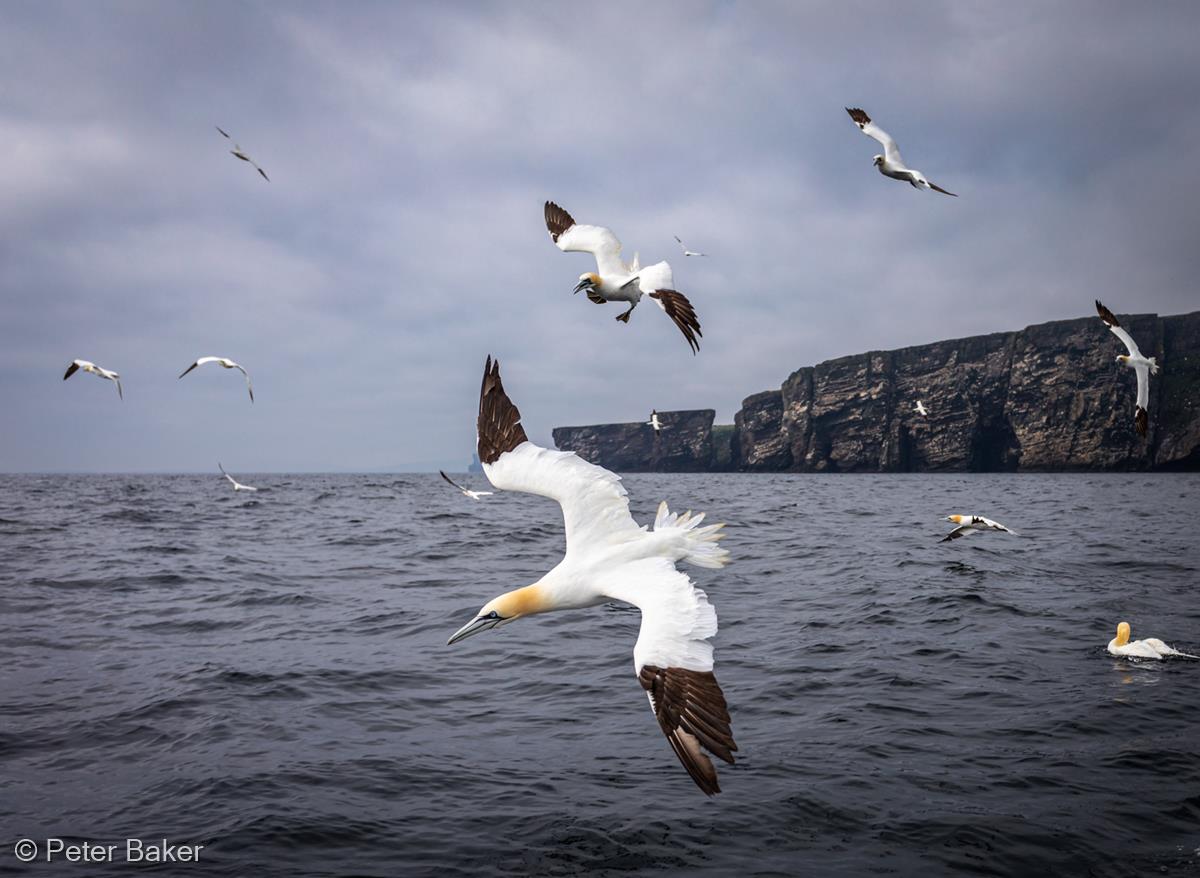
264, 677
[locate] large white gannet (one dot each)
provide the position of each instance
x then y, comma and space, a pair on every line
610, 558
971, 524
890, 164
1150, 648
84, 365
225, 363
617, 281
655, 422
237, 151
686, 251
474, 495
237, 486
920, 409
1143, 366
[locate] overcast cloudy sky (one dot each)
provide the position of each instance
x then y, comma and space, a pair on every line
410, 149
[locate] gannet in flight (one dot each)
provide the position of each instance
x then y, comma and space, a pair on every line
920, 409
76, 365
609, 557
474, 495
1150, 648
686, 251
654, 422
970, 524
225, 363
1143, 366
618, 281
890, 164
237, 486
237, 151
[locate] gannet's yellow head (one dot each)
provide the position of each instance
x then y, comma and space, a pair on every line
1121, 358
957, 519
504, 609
588, 282
1122, 633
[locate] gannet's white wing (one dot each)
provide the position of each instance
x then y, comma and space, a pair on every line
594, 504
891, 152
74, 367
1162, 649
1110, 320
963, 530
249, 386
226, 475
1143, 384
977, 520
569, 236
673, 661
199, 362
1134, 649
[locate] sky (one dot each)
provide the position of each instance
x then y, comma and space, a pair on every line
411, 147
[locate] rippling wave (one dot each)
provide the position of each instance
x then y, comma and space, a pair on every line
269, 678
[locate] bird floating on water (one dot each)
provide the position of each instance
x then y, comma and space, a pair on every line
237, 151
1143, 366
920, 409
237, 486
686, 251
618, 281
1150, 648
655, 422
474, 495
890, 164
225, 363
84, 365
610, 558
970, 524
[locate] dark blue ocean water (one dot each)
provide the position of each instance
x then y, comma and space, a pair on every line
268, 675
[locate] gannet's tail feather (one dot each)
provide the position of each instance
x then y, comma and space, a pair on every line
699, 543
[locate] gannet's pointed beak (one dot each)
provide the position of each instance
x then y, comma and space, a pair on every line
479, 623
584, 284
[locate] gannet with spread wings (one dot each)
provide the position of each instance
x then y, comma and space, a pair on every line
609, 557
225, 363
617, 281
1143, 366
890, 164
99, 372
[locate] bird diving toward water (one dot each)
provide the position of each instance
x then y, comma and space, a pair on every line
237, 151
1143, 366
237, 486
226, 363
890, 164
920, 409
1150, 648
655, 422
474, 495
610, 558
972, 524
686, 251
84, 365
618, 281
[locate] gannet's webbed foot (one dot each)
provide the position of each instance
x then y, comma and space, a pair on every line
624, 317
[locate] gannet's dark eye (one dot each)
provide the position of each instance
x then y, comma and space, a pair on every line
493, 615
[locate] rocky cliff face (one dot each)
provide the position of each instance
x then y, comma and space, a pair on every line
1049, 397
685, 444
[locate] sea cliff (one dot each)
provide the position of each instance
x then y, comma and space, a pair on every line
1048, 397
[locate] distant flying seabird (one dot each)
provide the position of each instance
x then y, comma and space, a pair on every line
77, 365
1143, 366
237, 151
920, 409
474, 495
225, 363
618, 281
686, 251
237, 486
970, 524
610, 558
890, 164
1150, 648
654, 422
